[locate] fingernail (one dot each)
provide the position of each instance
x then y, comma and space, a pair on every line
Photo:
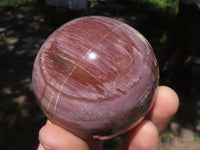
46, 147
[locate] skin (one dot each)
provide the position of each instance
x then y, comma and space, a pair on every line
143, 137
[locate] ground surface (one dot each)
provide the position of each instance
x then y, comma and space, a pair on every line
23, 30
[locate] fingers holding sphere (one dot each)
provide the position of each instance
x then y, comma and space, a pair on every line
165, 106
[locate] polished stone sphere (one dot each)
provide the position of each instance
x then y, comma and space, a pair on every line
95, 77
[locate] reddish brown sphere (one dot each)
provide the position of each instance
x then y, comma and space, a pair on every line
95, 77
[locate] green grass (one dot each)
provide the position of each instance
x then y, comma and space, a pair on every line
169, 6
196, 136
163, 4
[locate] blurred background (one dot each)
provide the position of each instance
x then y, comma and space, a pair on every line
171, 26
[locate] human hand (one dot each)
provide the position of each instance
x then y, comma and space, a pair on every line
143, 137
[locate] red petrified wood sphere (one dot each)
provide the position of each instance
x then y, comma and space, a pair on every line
95, 77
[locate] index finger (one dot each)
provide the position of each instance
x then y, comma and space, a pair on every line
165, 106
